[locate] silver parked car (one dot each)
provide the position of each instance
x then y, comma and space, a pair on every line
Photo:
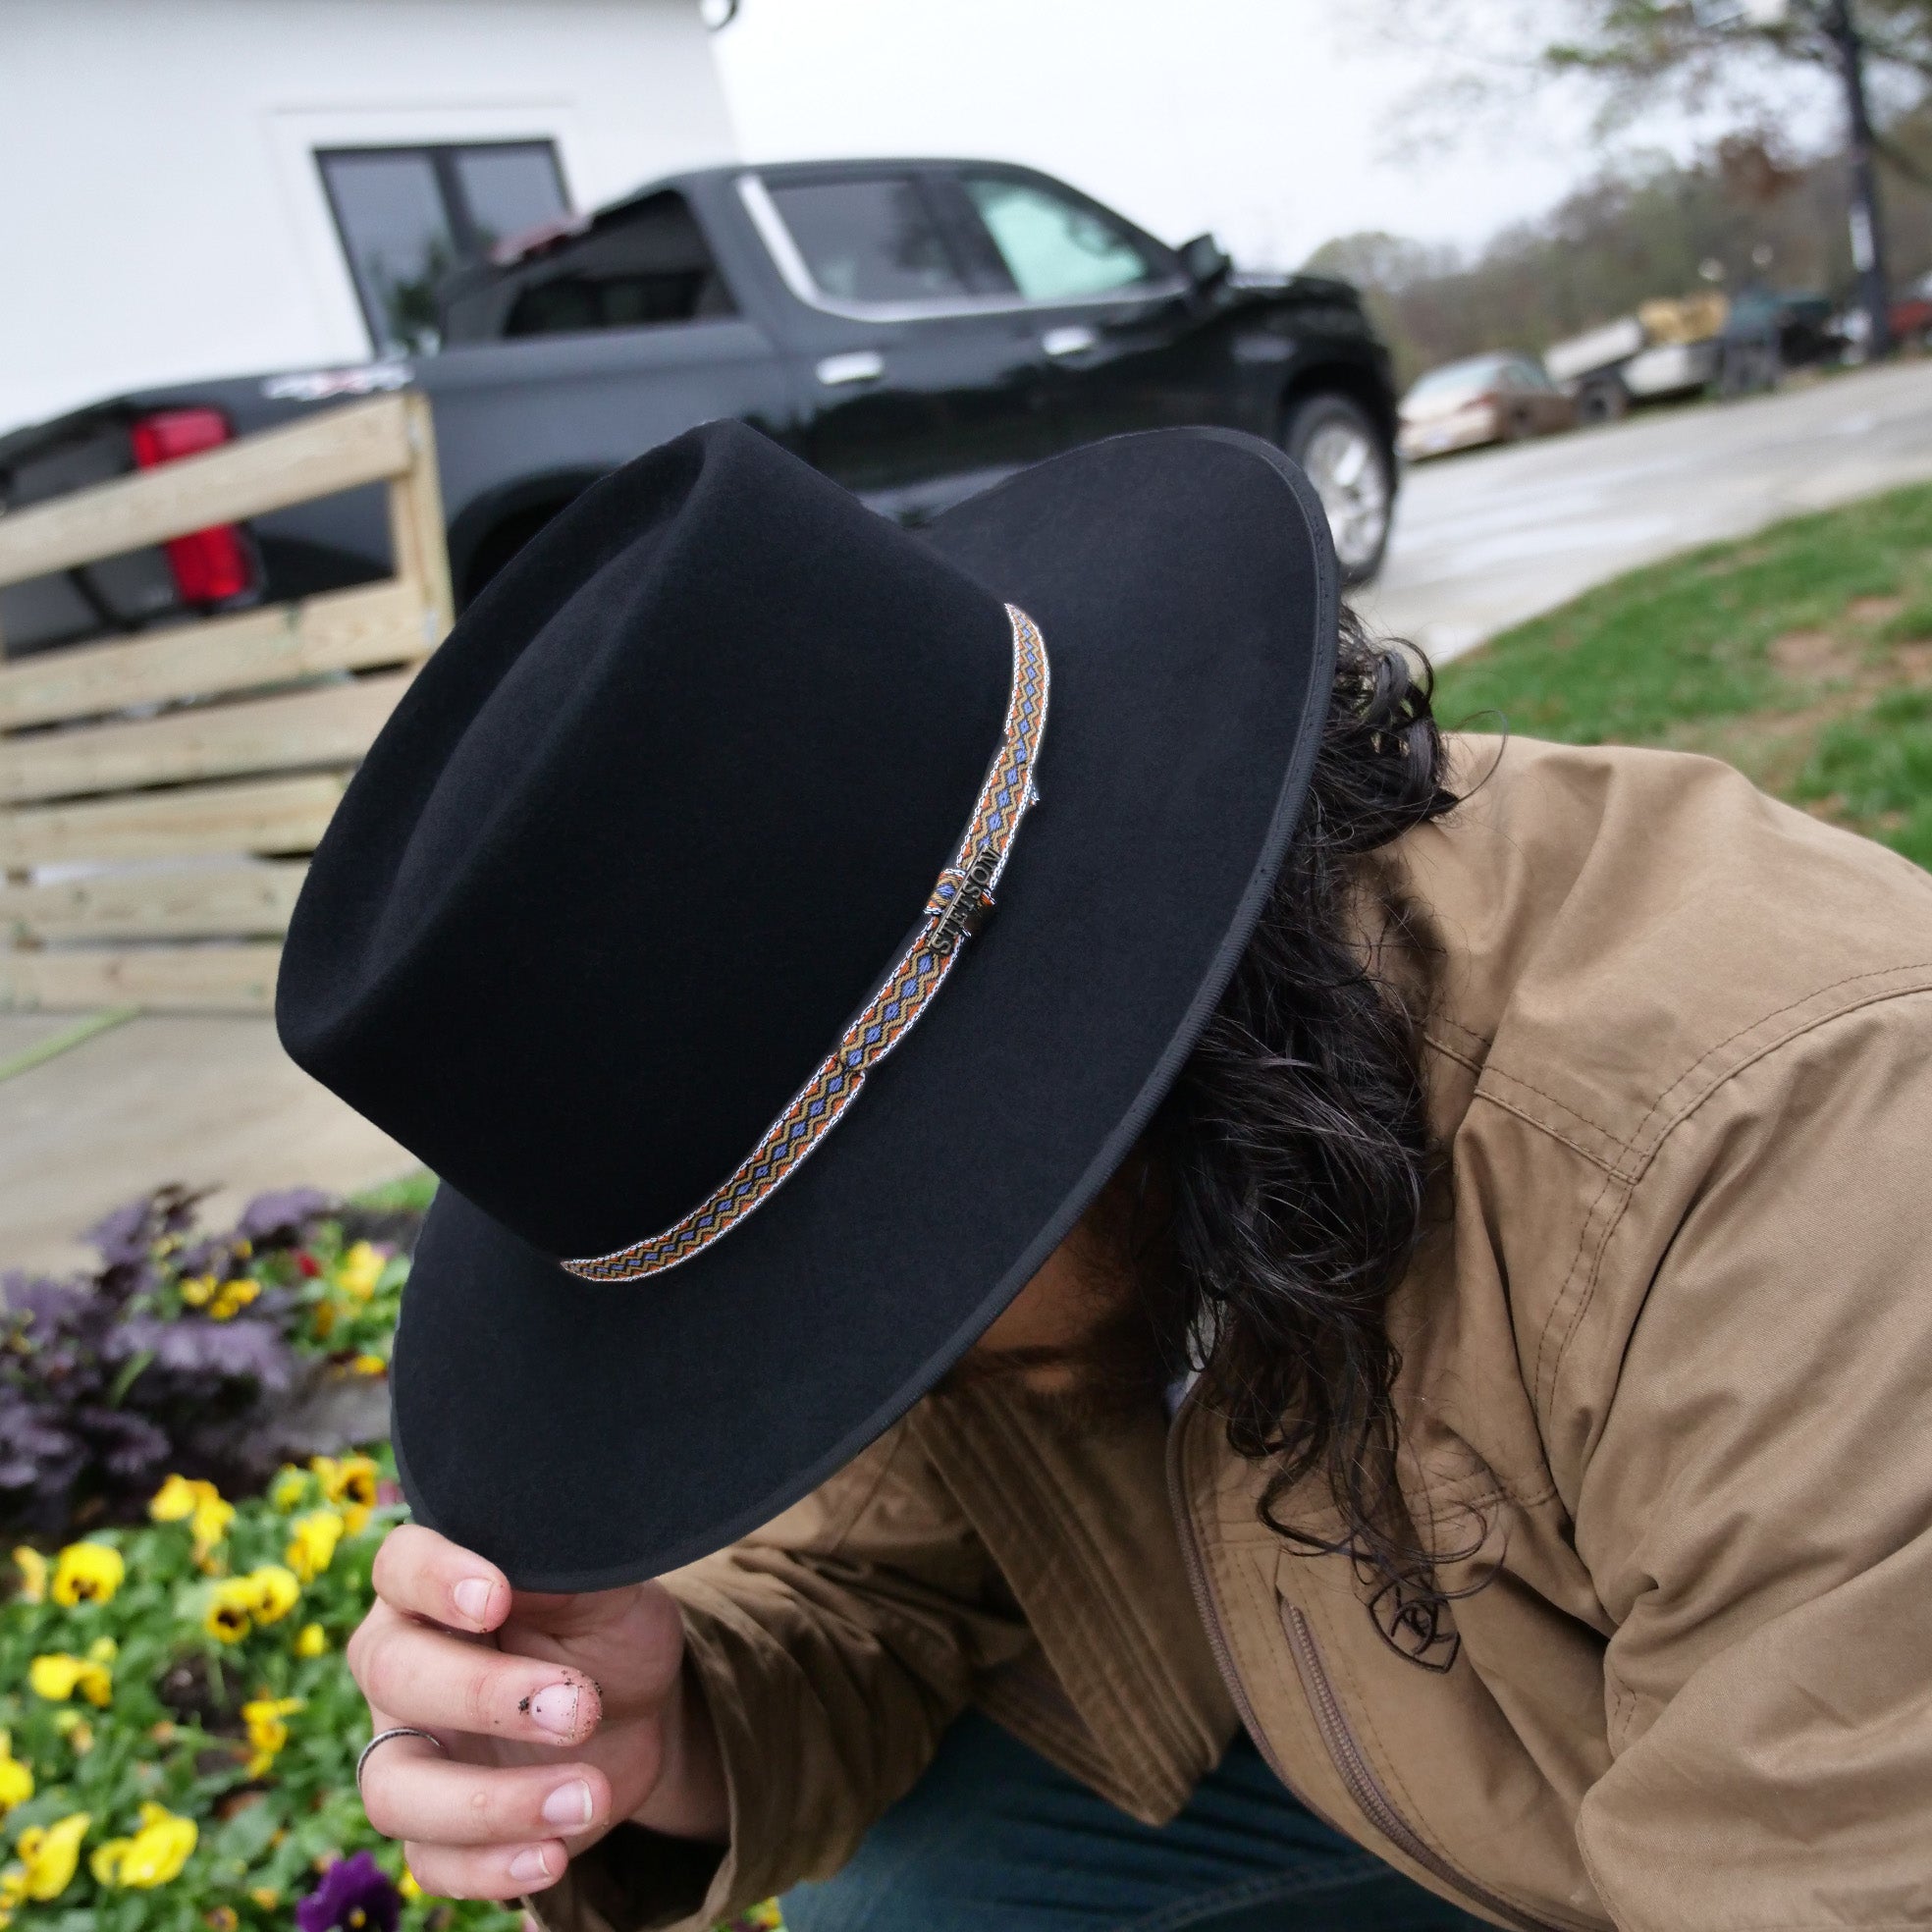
1488, 399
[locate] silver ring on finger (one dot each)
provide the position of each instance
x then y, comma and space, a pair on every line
383, 1737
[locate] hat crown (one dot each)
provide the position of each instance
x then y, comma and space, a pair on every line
643, 835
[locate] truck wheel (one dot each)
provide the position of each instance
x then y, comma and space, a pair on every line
1335, 443
502, 543
1602, 399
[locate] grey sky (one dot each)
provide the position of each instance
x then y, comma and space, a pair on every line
1267, 121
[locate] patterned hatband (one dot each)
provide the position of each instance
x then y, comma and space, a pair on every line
959, 903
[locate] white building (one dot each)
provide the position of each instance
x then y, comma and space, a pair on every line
201, 188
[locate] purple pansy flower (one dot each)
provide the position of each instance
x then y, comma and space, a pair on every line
355, 1894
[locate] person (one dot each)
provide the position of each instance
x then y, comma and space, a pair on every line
1366, 1362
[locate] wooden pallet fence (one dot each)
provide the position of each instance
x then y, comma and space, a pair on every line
159, 793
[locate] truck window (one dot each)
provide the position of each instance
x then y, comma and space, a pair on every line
873, 239
1054, 248
408, 216
639, 265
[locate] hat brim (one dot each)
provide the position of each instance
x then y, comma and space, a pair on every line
585, 1436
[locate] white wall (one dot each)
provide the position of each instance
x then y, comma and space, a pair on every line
161, 214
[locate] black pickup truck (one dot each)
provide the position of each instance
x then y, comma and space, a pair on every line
915, 329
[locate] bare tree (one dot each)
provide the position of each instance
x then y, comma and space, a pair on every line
1635, 55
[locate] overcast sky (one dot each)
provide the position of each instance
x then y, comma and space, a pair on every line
1267, 121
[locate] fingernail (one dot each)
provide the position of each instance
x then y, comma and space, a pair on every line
555, 1709
472, 1598
533, 1863
568, 1807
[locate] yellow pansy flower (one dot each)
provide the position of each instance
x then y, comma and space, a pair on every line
230, 1614
57, 1676
233, 1297
311, 1640
407, 1886
369, 1364
50, 1853
154, 1854
350, 1484
16, 1778
197, 1503
277, 1593
209, 1523
312, 1540
33, 1568
87, 1572
360, 1271
289, 1489
196, 1290
175, 1500
265, 1896
267, 1733
224, 1918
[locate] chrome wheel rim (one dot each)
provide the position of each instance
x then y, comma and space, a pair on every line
1347, 472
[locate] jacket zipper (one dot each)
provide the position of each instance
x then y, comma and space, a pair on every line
1366, 1789
1210, 1613
1361, 1783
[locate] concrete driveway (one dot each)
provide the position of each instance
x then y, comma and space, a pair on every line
1483, 542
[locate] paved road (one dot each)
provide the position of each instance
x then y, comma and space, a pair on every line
1484, 541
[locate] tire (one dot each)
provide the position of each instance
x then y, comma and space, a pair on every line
1346, 459
1602, 399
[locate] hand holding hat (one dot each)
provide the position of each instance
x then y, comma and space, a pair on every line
526, 1725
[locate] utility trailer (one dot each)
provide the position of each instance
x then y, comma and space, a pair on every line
1667, 348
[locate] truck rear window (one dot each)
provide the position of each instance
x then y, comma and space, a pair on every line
637, 267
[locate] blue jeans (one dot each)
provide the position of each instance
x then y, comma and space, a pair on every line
994, 1839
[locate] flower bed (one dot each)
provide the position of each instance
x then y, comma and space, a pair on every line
178, 1727
181, 1729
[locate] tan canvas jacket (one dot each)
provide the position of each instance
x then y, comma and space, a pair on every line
1669, 1357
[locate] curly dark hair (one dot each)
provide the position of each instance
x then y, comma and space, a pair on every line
1291, 1162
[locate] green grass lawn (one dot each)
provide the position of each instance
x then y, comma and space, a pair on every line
1801, 655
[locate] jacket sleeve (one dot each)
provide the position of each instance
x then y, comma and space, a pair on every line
835, 1646
1757, 1509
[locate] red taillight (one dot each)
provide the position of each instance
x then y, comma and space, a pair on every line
208, 566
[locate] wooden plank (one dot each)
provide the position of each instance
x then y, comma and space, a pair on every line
233, 979
343, 630
415, 523
245, 899
336, 449
252, 815
332, 726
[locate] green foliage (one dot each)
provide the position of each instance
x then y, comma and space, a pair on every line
272, 1801
1783, 653
1877, 769
411, 1195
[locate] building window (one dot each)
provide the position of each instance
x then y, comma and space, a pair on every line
410, 215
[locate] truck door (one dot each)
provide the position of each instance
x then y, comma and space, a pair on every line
923, 383
1108, 309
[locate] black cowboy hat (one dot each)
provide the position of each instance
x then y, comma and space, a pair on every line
635, 864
